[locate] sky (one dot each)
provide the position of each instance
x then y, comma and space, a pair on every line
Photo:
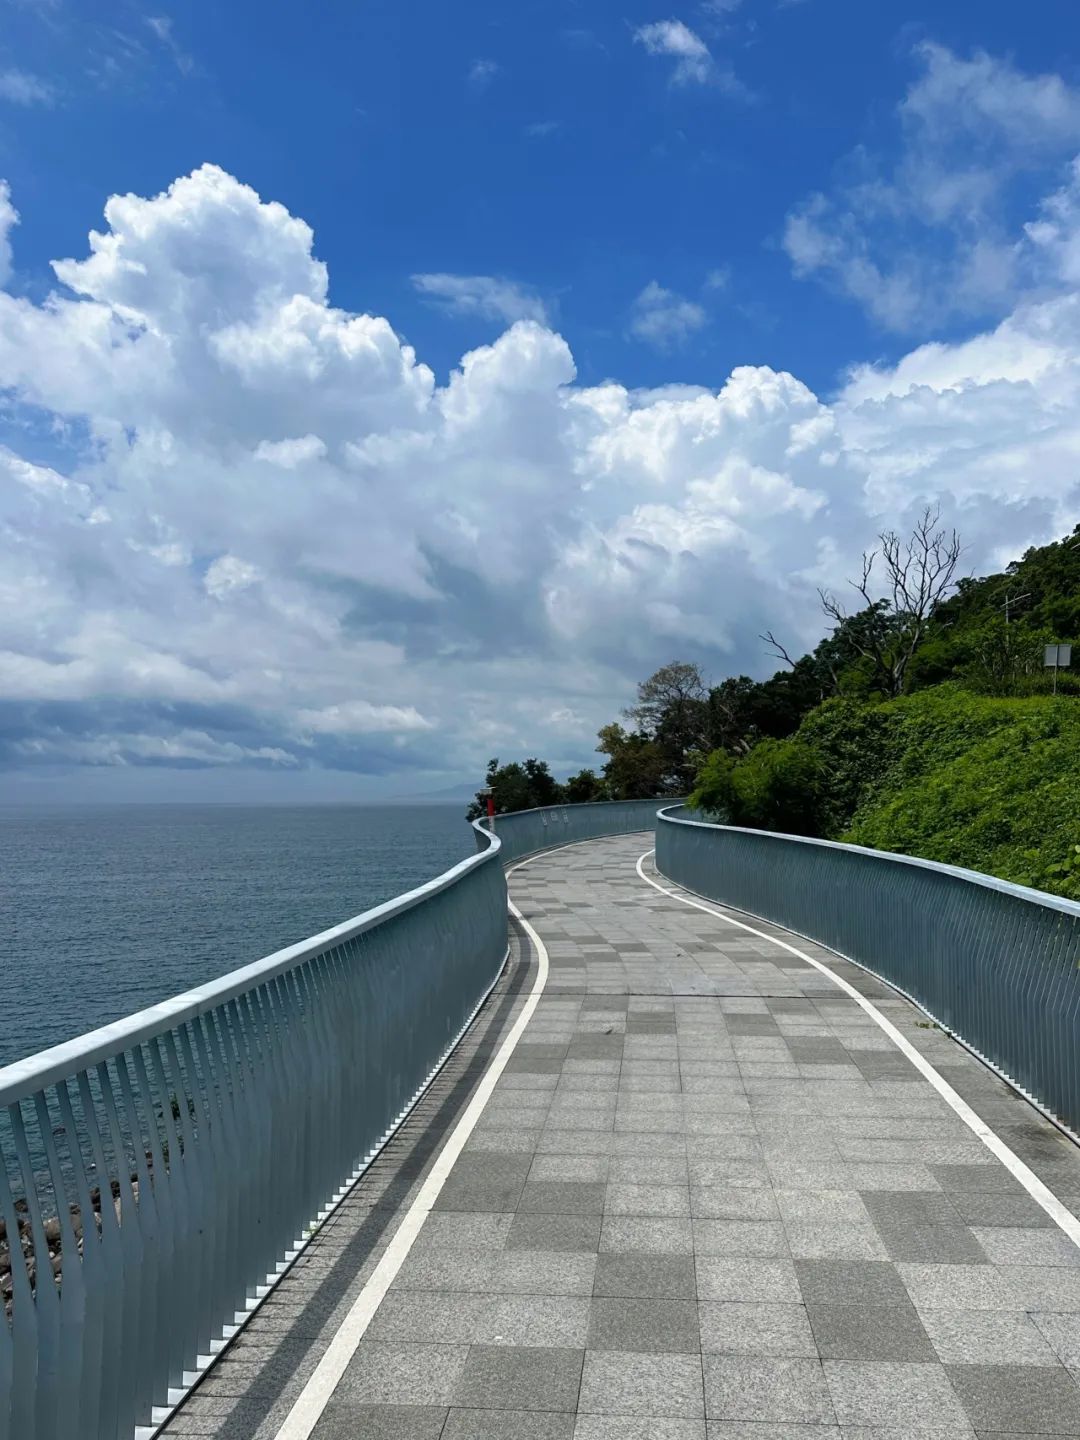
385, 387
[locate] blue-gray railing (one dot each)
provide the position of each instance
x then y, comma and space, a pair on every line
994, 963
523, 832
157, 1175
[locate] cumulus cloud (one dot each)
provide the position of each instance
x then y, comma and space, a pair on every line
664, 318
269, 538
930, 235
490, 296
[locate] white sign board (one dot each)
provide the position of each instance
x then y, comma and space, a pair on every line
1058, 656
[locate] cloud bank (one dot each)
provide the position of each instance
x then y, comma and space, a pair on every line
246, 528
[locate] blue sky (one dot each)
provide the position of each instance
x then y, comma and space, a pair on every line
668, 311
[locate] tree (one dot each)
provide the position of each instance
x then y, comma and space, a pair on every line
712, 792
918, 575
635, 765
517, 787
584, 786
672, 710
778, 787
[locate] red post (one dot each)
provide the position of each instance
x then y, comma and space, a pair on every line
491, 812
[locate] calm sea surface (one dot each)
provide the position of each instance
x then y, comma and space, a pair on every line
106, 910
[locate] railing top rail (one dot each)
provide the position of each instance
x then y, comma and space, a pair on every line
581, 804
34, 1072
975, 877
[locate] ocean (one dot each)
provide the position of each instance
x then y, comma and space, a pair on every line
107, 909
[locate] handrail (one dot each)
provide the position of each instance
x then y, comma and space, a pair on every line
524, 832
994, 962
22, 1077
168, 1168
977, 877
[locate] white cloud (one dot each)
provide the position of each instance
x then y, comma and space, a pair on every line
276, 542
9, 218
931, 236
227, 575
664, 318
21, 88
359, 717
693, 62
288, 454
491, 296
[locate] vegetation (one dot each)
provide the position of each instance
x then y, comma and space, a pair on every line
923, 722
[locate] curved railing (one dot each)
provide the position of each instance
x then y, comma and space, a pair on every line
994, 963
166, 1169
523, 832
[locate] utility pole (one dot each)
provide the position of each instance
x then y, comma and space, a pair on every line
1010, 600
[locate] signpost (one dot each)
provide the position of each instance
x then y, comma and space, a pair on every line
1057, 657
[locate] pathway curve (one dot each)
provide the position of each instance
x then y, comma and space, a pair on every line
709, 1197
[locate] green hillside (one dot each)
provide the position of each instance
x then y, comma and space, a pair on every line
991, 784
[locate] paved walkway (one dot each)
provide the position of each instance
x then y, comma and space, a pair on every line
710, 1197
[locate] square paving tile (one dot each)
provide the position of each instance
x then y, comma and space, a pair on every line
844, 1240
1025, 1399
978, 1207
740, 1237
445, 1230
648, 1169
721, 1277
629, 1198
721, 1202
830, 1207
511, 1377
387, 1374
994, 1179
1015, 1246
644, 1324
986, 1337
463, 1270
615, 1383
1042, 1287
741, 1387
540, 1272
554, 1232
959, 1287
651, 1235
562, 1197
850, 1282
569, 1167
555, 1320
664, 1276
749, 1328
870, 1332
899, 1396
425, 1317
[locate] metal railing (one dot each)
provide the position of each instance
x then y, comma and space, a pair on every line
993, 962
523, 832
159, 1174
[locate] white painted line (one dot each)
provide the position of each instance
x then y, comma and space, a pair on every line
1063, 1218
312, 1400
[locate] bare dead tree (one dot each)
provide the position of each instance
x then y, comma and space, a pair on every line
919, 573
779, 653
